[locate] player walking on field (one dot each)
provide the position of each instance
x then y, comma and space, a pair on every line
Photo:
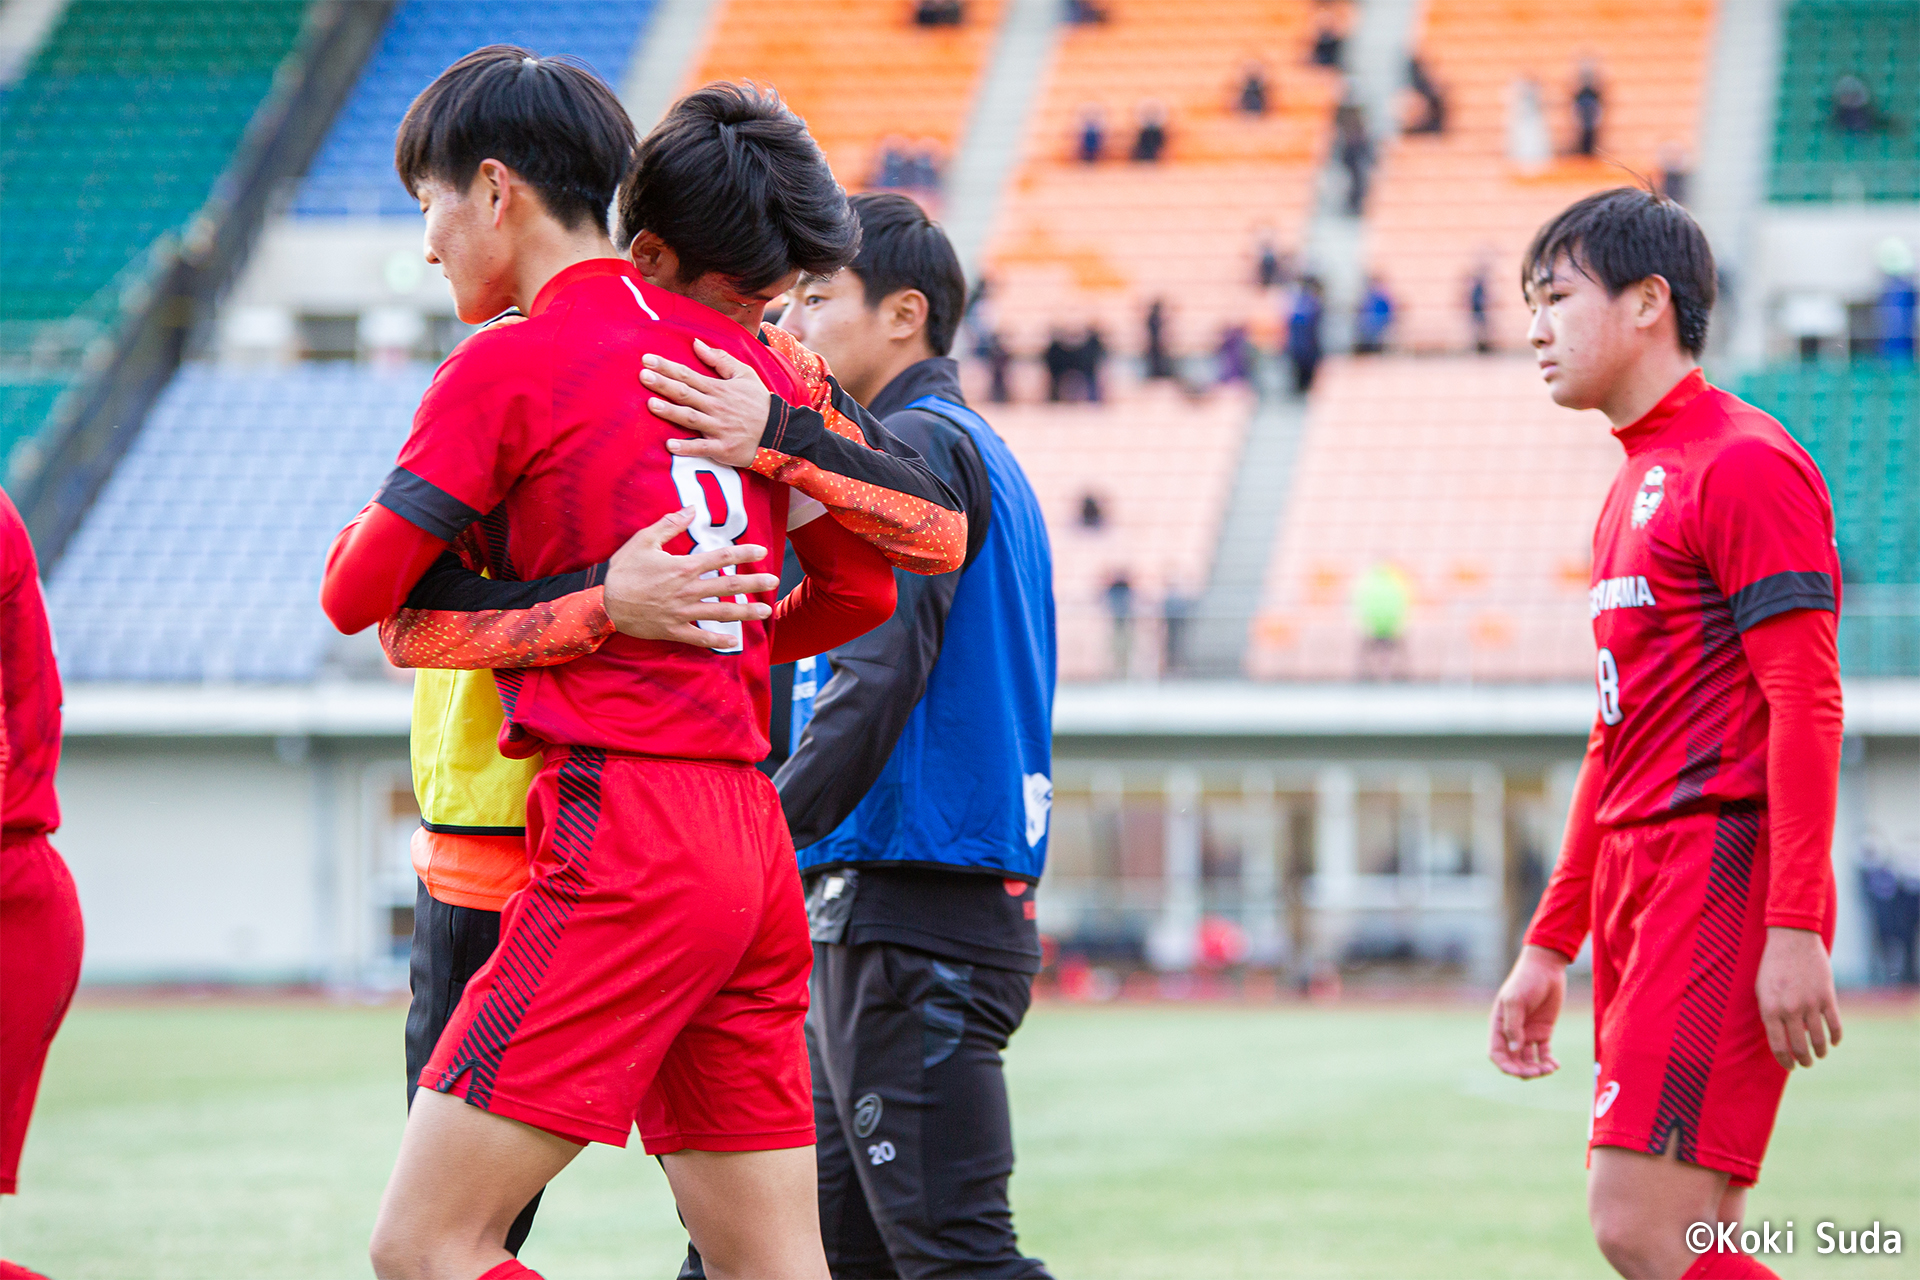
40, 929
653, 969
1697, 853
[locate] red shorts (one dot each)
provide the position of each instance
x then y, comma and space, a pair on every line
40, 941
1679, 927
653, 970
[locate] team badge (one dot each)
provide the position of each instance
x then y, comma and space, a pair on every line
1653, 488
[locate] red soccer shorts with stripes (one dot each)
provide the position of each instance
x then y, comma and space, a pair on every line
653, 970
1681, 1053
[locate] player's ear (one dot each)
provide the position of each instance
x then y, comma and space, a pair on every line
652, 256
1656, 296
490, 181
906, 313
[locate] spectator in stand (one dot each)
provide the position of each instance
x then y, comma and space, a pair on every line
939, 13
1084, 13
1253, 89
1374, 318
1588, 106
1303, 333
1853, 109
1529, 145
1675, 176
1893, 899
1058, 359
1093, 134
1090, 361
1150, 143
1355, 149
1159, 363
1328, 48
1176, 614
1381, 600
999, 360
1477, 314
1270, 270
979, 317
923, 167
1894, 308
890, 173
1234, 359
1119, 601
1435, 119
1093, 516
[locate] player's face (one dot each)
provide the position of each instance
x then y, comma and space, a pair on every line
465, 239
745, 307
830, 316
1582, 338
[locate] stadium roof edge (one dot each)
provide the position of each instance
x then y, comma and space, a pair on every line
1186, 709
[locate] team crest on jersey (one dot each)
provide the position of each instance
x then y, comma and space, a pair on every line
1653, 488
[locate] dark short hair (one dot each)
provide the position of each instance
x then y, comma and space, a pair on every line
1621, 237
550, 120
902, 248
734, 183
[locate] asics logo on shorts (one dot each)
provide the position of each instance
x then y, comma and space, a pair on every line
1604, 1102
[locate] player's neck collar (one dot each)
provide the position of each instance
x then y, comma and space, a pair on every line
1650, 423
586, 269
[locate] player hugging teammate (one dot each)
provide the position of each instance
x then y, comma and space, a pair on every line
1698, 846
653, 952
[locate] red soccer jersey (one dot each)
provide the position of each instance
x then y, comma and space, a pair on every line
29, 685
540, 432
1716, 522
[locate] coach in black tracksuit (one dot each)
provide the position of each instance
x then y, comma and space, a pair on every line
925, 949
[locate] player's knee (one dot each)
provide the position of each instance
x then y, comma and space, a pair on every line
1624, 1240
397, 1254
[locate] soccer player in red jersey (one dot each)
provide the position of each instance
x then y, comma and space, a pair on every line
40, 929
654, 968
1698, 847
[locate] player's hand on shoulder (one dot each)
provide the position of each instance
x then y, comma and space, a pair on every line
728, 408
1797, 1000
1520, 1040
652, 594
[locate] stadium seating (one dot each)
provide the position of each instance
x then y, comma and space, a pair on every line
1446, 204
1160, 466
117, 131
1877, 42
1460, 472
1076, 243
353, 174
1861, 423
26, 402
202, 558
857, 71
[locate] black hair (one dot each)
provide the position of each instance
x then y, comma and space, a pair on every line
902, 248
1621, 237
734, 183
550, 120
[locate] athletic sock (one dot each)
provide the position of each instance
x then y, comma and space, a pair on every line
511, 1269
14, 1271
1732, 1265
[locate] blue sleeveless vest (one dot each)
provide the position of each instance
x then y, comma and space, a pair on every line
970, 783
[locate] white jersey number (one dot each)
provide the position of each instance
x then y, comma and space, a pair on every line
1609, 688
709, 535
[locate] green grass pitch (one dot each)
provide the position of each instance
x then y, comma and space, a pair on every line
232, 1141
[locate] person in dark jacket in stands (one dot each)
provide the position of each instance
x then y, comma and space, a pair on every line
918, 795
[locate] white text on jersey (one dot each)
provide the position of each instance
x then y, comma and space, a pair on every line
1618, 593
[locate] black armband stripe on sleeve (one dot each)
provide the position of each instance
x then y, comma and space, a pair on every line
449, 586
1778, 593
424, 504
805, 435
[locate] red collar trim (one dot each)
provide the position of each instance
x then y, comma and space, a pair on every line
1654, 420
573, 275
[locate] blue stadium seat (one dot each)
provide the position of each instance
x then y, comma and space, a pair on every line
201, 561
353, 174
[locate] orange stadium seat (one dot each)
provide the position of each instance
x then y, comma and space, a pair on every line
1444, 204
1160, 465
1460, 472
857, 71
1076, 243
